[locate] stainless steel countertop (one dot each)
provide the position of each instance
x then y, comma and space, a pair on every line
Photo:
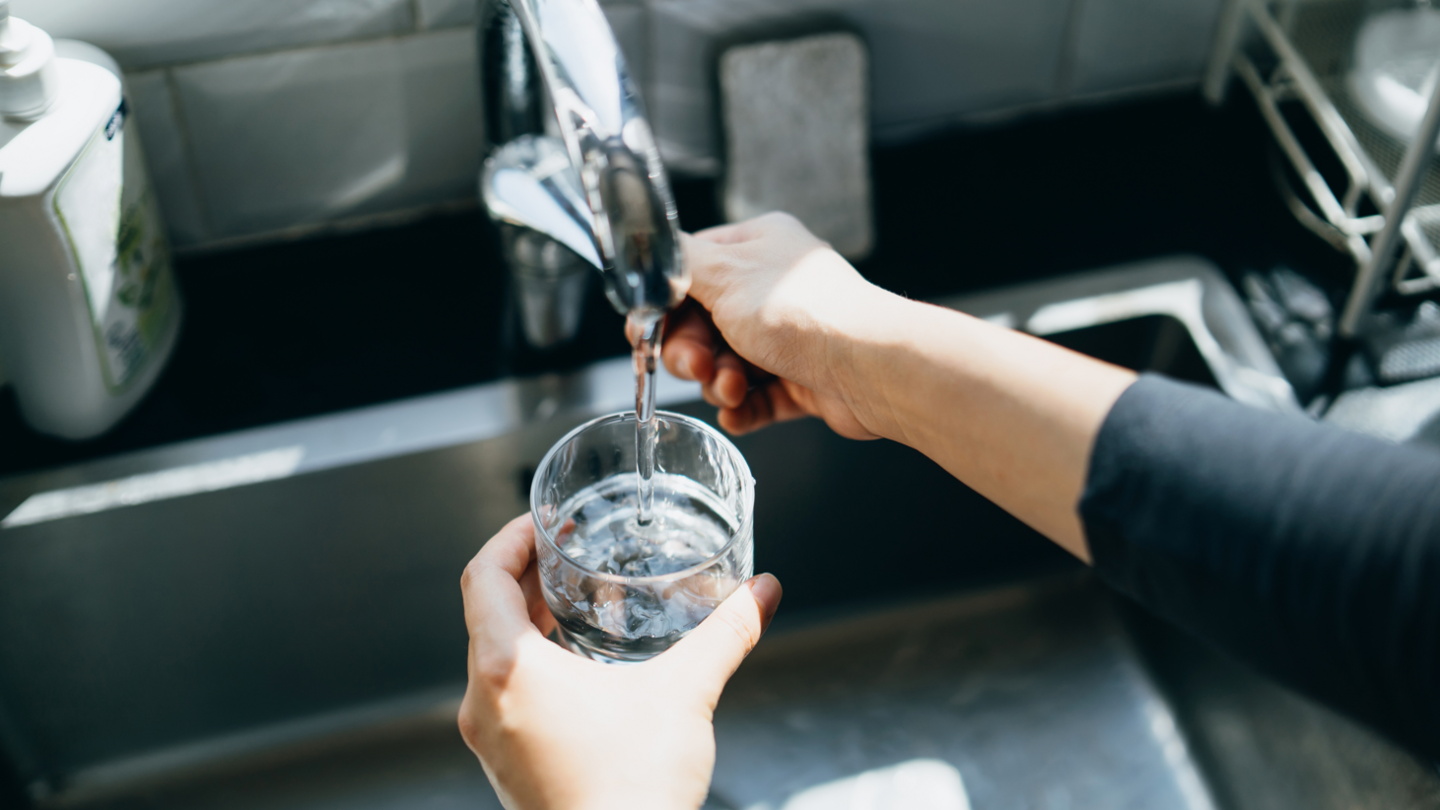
271, 618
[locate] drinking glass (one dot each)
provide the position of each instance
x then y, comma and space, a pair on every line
623, 593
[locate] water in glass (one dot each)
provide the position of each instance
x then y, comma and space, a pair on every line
601, 532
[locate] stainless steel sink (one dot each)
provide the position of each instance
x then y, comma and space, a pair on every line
272, 618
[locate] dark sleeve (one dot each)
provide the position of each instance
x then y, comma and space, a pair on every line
1309, 551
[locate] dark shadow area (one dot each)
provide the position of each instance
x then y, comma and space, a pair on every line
1156, 343
12, 795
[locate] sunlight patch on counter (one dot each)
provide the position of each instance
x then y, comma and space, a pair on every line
156, 486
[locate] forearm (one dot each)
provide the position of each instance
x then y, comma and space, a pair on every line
1012, 416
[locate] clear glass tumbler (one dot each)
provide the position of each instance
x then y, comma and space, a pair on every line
623, 592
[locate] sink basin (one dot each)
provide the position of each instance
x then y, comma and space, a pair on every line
272, 619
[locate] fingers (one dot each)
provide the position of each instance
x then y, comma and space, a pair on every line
511, 548
540, 615
496, 608
708, 261
693, 351
710, 654
727, 388
763, 405
689, 350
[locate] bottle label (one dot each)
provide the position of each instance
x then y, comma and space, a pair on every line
112, 220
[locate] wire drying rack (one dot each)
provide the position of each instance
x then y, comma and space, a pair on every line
1381, 205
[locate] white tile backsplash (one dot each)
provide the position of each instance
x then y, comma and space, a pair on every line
1127, 44
140, 33
295, 137
442, 119
309, 136
446, 13
166, 153
267, 115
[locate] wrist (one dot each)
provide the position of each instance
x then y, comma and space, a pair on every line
862, 356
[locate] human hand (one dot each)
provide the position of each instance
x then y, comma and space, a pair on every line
555, 731
764, 328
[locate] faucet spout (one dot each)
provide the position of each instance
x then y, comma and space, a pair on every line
571, 155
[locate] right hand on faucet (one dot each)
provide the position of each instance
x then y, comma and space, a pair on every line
762, 330
779, 326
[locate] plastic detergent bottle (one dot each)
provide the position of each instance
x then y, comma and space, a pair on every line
88, 305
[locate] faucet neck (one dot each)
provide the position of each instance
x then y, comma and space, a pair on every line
552, 69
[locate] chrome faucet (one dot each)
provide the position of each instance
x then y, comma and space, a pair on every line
572, 162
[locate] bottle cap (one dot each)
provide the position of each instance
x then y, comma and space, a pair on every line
29, 78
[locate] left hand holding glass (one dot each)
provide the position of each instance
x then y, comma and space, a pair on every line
555, 731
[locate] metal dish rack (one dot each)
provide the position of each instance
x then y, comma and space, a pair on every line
1382, 206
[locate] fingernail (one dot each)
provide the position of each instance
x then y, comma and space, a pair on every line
684, 363
767, 591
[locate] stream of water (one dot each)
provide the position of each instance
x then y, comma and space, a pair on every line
647, 357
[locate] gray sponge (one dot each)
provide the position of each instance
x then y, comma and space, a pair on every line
797, 135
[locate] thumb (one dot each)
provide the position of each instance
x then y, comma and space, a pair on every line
710, 654
706, 259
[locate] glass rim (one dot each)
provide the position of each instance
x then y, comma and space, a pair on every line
747, 494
